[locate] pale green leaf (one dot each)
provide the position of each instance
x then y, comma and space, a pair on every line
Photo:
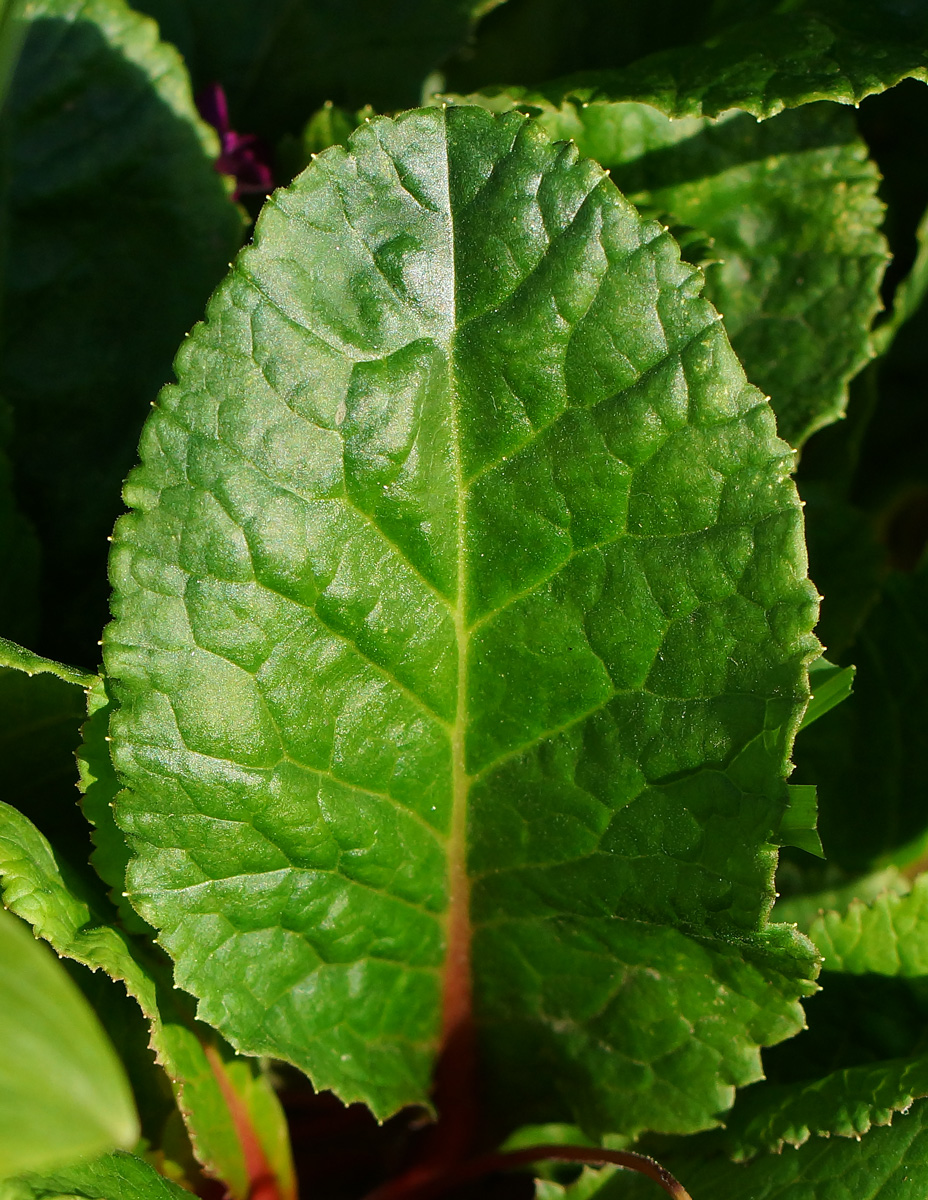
464, 557
802, 909
63, 1092
113, 1177
201, 1070
887, 936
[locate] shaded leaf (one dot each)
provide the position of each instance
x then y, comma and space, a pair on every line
885, 1164
839, 50
117, 229
228, 1145
279, 60
63, 1092
873, 745
493, 581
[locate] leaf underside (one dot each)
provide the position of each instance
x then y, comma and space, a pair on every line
465, 577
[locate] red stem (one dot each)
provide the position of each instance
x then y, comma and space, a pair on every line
422, 1184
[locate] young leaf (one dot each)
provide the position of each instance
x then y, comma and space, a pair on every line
791, 210
830, 685
461, 634
63, 1092
113, 1177
839, 50
236, 1126
118, 227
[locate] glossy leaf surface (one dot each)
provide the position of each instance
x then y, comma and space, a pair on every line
63, 1092
117, 228
235, 1123
790, 211
464, 559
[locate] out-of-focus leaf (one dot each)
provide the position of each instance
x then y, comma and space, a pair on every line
869, 756
117, 229
465, 559
887, 936
278, 60
113, 1177
63, 1092
236, 1127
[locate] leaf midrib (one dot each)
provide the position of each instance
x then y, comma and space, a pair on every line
457, 991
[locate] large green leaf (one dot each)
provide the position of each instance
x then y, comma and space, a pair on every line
461, 633
63, 1093
235, 1124
791, 209
113, 1177
118, 228
279, 59
840, 50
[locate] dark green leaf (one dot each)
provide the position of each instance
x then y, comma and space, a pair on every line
888, 1164
840, 50
280, 59
464, 555
869, 757
118, 227
63, 1092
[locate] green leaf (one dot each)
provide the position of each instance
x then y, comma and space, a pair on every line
236, 1127
118, 228
791, 210
464, 559
26, 661
839, 50
63, 1093
798, 826
99, 788
830, 685
278, 60
874, 745
888, 936
846, 1103
803, 909
886, 1164
113, 1177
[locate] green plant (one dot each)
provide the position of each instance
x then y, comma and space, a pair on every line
440, 754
